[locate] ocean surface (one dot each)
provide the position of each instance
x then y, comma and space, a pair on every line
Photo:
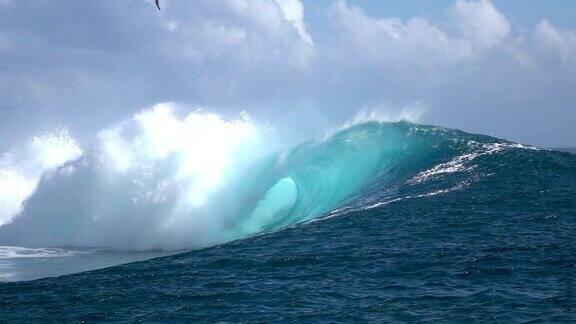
379, 221
567, 149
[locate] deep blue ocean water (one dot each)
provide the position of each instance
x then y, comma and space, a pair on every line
449, 226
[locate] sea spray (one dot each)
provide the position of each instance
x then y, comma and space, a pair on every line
156, 181
21, 169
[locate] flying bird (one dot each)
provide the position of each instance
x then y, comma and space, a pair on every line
158, 4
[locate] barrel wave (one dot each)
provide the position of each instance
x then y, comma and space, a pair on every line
169, 182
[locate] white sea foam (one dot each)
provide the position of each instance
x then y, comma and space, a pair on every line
458, 164
16, 252
463, 163
457, 187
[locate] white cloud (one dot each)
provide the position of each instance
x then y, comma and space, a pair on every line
171, 25
246, 33
293, 11
480, 22
476, 27
474, 69
563, 41
391, 41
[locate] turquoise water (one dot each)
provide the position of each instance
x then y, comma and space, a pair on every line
378, 222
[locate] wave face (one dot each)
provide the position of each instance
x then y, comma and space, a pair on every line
160, 181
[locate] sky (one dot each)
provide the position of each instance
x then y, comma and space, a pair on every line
504, 68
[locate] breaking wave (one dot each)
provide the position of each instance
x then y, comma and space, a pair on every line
163, 181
